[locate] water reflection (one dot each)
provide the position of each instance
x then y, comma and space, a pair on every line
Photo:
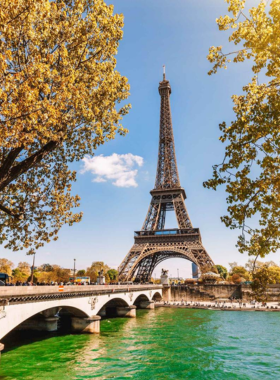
158, 344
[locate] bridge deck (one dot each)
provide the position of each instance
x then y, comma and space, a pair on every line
30, 291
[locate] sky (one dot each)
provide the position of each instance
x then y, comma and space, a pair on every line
114, 184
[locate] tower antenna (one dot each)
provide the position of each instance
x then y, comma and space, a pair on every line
163, 72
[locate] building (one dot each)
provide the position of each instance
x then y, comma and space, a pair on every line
176, 280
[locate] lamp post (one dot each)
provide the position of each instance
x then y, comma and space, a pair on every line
32, 272
178, 273
74, 270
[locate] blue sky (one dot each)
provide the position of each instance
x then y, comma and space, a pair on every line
177, 34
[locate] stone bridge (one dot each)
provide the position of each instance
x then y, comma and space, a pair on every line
40, 307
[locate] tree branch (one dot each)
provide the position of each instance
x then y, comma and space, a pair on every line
25, 165
8, 162
9, 212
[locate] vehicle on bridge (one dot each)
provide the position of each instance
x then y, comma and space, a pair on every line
4, 278
79, 280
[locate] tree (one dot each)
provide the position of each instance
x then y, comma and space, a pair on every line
60, 274
35, 277
46, 268
241, 271
95, 267
253, 265
222, 271
113, 274
236, 278
24, 267
208, 268
6, 266
44, 276
251, 165
262, 278
232, 265
18, 275
81, 272
49, 273
58, 94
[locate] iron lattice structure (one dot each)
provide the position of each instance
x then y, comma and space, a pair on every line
153, 244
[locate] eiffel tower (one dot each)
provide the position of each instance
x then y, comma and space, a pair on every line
154, 244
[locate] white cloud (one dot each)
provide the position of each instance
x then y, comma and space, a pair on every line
119, 168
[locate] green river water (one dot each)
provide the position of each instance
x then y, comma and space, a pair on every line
158, 344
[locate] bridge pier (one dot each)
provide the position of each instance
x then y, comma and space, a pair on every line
102, 312
166, 293
39, 324
126, 311
1, 348
45, 321
90, 325
147, 305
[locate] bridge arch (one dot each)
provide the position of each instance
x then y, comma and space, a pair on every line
157, 297
40, 311
141, 298
109, 308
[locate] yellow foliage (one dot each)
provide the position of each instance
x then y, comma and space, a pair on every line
251, 166
6, 266
58, 94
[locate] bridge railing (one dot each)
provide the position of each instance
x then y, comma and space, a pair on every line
6, 291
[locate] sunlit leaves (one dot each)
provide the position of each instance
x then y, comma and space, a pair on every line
251, 166
59, 100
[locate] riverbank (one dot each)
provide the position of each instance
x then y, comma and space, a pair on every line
222, 306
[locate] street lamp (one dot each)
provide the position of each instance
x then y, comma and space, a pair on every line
74, 270
178, 273
32, 272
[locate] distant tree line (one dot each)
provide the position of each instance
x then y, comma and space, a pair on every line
259, 274
47, 273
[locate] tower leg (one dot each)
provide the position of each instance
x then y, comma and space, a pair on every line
127, 268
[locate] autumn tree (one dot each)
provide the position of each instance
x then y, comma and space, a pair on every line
113, 274
59, 95
236, 278
222, 271
81, 272
46, 268
241, 271
24, 267
60, 274
6, 266
44, 276
52, 273
96, 267
254, 265
18, 275
251, 165
262, 278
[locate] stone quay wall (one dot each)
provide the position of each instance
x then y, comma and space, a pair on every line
209, 292
273, 293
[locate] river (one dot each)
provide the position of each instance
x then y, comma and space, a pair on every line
158, 344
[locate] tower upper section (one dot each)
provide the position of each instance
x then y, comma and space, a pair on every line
167, 176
